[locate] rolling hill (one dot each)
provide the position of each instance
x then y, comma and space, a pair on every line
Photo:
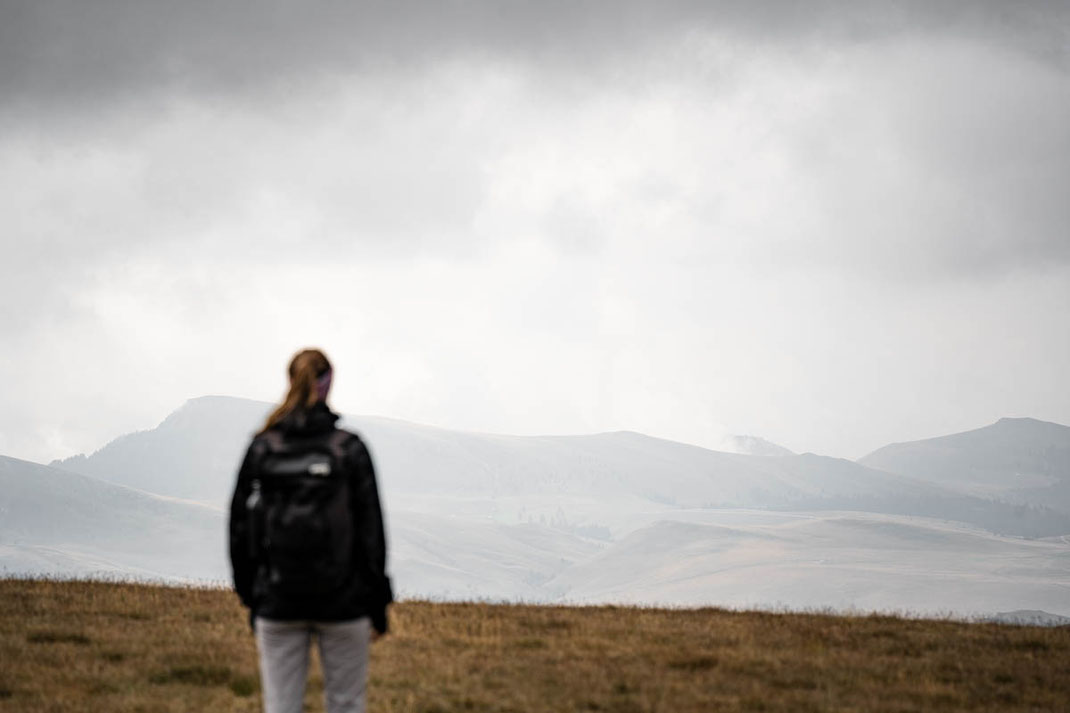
609, 517
54, 521
1019, 460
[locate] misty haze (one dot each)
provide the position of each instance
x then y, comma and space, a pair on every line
974, 524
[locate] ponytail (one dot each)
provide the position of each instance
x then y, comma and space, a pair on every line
307, 371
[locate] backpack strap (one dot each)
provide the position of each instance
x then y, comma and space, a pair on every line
273, 439
338, 442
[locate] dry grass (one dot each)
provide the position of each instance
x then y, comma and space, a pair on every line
85, 646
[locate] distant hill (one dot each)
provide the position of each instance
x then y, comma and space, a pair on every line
64, 524
54, 521
1020, 460
60, 523
843, 561
195, 453
1030, 617
602, 517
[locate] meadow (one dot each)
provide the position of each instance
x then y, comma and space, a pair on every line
108, 646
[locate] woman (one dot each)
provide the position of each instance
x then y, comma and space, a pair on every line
307, 547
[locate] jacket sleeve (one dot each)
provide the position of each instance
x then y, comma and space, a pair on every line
371, 538
241, 563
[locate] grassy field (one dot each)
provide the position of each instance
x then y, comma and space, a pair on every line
85, 646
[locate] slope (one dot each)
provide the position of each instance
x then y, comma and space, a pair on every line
1021, 460
57, 522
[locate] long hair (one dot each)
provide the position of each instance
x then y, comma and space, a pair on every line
306, 366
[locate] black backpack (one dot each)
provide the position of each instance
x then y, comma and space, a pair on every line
301, 524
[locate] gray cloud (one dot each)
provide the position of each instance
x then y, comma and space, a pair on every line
920, 159
68, 55
647, 215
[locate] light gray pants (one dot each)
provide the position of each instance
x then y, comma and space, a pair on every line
283, 647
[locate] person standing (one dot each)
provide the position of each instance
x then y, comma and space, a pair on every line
307, 546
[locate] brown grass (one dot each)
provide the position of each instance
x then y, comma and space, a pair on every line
92, 646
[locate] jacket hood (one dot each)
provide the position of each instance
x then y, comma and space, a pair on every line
316, 418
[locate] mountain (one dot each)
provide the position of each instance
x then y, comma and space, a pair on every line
1020, 460
60, 523
195, 453
54, 521
593, 518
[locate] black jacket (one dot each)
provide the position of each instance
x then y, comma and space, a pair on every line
367, 591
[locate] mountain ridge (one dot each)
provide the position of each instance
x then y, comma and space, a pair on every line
194, 454
1020, 460
596, 517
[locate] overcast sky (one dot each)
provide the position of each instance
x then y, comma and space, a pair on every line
833, 226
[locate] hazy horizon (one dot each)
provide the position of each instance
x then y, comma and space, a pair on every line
725, 445
975, 523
